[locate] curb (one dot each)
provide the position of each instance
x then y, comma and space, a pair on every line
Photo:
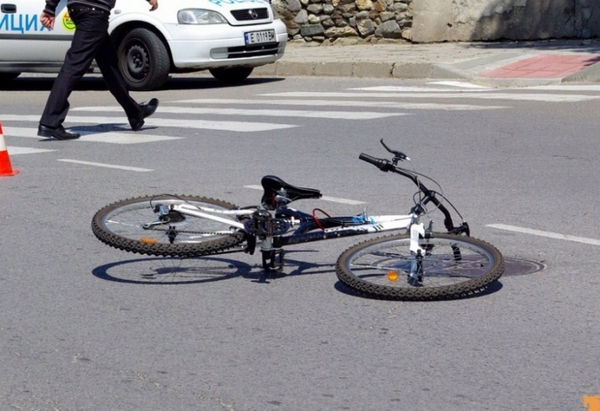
434, 71
361, 69
591, 74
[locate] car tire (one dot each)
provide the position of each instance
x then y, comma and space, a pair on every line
4, 77
144, 60
231, 75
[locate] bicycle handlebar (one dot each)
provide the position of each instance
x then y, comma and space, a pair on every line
382, 164
430, 196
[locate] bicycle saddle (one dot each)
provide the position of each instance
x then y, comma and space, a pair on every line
272, 185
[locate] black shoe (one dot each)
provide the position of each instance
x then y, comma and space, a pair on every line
58, 133
146, 110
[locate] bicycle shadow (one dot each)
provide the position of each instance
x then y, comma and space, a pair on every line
206, 269
492, 289
202, 269
172, 271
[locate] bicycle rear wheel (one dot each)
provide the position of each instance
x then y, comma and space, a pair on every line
381, 267
127, 225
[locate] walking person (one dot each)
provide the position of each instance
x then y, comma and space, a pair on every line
90, 41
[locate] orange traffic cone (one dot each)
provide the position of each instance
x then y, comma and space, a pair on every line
6, 169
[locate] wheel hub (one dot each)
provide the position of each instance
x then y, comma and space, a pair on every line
137, 61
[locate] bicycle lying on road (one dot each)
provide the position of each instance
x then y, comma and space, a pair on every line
416, 264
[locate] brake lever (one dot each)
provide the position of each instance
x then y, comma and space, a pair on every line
398, 155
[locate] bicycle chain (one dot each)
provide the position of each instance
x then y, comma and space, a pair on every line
186, 231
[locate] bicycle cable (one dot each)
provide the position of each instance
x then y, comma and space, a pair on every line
316, 219
417, 197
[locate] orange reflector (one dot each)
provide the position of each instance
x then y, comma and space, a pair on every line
392, 276
147, 240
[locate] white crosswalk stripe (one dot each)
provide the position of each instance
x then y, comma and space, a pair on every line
108, 124
13, 150
338, 115
237, 126
460, 84
111, 137
391, 92
345, 103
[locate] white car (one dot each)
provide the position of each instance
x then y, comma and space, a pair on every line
227, 37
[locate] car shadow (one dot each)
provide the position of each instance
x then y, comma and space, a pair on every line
194, 83
96, 83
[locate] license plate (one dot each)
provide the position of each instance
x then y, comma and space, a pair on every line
257, 37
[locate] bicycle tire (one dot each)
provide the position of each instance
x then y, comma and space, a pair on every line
374, 268
119, 225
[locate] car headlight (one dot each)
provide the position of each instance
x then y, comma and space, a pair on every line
200, 16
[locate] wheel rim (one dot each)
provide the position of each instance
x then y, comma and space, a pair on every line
137, 61
388, 263
128, 222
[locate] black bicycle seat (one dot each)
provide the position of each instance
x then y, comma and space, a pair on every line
273, 184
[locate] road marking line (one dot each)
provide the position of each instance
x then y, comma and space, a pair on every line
460, 84
13, 151
345, 103
123, 138
564, 87
340, 115
239, 126
326, 198
552, 98
409, 89
89, 163
545, 234
104, 137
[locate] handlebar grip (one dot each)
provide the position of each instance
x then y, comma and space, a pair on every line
383, 165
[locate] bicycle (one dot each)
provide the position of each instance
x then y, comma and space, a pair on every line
417, 264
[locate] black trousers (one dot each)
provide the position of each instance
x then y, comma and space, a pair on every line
90, 41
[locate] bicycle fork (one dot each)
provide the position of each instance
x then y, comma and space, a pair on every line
417, 253
417, 231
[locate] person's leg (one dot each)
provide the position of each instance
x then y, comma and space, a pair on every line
107, 61
78, 59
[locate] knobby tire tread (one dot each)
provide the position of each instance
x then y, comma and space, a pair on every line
163, 250
454, 291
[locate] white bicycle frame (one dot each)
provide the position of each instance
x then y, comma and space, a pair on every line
373, 224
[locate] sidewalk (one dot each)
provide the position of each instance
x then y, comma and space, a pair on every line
500, 64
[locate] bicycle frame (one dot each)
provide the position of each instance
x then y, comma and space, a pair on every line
274, 229
348, 226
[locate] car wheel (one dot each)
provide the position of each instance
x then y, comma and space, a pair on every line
231, 75
143, 60
8, 76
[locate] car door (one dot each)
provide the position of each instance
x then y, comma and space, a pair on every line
24, 40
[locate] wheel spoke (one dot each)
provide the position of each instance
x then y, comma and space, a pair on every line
131, 225
451, 266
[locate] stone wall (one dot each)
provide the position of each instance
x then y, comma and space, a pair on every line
326, 21
423, 21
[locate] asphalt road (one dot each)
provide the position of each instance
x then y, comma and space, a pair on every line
87, 327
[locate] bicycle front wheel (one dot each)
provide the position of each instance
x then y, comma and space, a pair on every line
450, 266
133, 225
